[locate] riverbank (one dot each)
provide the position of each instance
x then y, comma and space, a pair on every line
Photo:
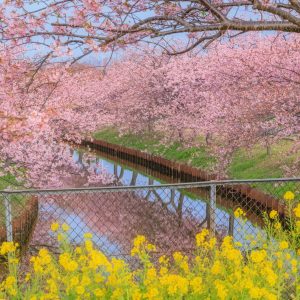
245, 164
24, 210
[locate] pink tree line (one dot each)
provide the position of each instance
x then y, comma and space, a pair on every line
240, 94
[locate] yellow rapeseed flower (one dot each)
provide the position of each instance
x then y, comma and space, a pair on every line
80, 290
152, 293
239, 213
65, 227
86, 273
13, 261
54, 226
60, 237
273, 214
221, 290
67, 262
139, 240
163, 271
294, 265
298, 225
216, 268
137, 295
88, 245
185, 266
277, 225
289, 196
45, 256
100, 293
88, 235
7, 247
175, 284
150, 247
138, 245
27, 277
10, 281
150, 276
297, 211
255, 293
85, 280
238, 244
270, 276
283, 245
99, 278
163, 260
97, 259
178, 257
78, 250
201, 237
12, 291
196, 285
258, 256
74, 281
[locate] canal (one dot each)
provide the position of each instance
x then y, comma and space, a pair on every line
170, 218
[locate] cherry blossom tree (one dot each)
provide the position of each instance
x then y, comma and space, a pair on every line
242, 94
72, 29
35, 124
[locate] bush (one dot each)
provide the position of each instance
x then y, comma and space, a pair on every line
266, 267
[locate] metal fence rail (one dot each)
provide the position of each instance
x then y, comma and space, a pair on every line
170, 215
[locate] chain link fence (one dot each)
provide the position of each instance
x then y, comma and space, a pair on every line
169, 215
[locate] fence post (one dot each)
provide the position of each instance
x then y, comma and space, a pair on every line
212, 208
231, 225
8, 218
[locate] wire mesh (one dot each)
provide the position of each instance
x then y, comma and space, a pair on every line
168, 215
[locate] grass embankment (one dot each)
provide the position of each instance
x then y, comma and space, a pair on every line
17, 201
245, 164
254, 164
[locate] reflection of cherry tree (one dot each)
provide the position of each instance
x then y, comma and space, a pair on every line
119, 217
90, 173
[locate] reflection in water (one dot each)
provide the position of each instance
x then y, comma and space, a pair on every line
175, 200
169, 218
78, 227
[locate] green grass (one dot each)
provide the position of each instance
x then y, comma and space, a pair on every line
195, 156
8, 180
17, 201
246, 164
258, 164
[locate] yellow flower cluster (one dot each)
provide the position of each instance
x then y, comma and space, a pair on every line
289, 196
297, 211
216, 271
273, 214
8, 247
219, 269
258, 256
140, 245
55, 227
238, 213
287, 236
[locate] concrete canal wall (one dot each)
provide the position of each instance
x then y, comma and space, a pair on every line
249, 197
